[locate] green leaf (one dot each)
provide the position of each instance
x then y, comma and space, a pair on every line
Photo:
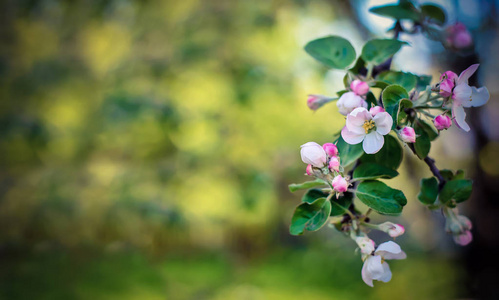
429, 191
333, 51
389, 156
371, 100
423, 142
359, 65
378, 50
402, 11
310, 216
381, 197
407, 80
459, 174
458, 190
340, 206
404, 103
447, 174
434, 12
391, 98
423, 82
429, 129
305, 185
380, 84
312, 195
373, 171
433, 33
348, 153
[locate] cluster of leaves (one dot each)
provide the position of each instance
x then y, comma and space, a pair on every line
407, 98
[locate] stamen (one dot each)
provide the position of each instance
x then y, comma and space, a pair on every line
368, 125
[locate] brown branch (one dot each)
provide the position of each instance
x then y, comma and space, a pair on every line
433, 168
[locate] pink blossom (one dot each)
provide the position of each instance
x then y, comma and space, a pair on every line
313, 153
392, 229
339, 184
375, 266
375, 110
442, 122
349, 101
309, 171
330, 149
359, 87
314, 102
459, 225
464, 238
458, 36
362, 126
407, 135
334, 163
365, 244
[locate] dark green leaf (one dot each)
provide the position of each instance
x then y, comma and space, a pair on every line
459, 174
340, 206
381, 197
403, 11
371, 100
312, 195
434, 12
389, 156
359, 65
391, 98
406, 80
333, 51
310, 216
423, 143
348, 153
458, 190
339, 93
429, 129
378, 50
447, 174
373, 171
429, 191
423, 82
305, 185
404, 103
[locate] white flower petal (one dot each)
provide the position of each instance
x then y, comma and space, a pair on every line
462, 93
383, 122
373, 142
313, 153
390, 247
478, 97
387, 273
351, 137
349, 101
466, 74
459, 117
366, 276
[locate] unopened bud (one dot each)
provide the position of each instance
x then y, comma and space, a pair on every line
312, 153
309, 171
339, 184
365, 244
442, 122
334, 163
330, 149
407, 134
393, 230
314, 102
359, 87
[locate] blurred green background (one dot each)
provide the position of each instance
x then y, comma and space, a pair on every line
146, 148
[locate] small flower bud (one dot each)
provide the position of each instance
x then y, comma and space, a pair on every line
442, 122
334, 164
309, 171
394, 230
407, 135
314, 102
458, 225
330, 149
312, 153
458, 36
359, 87
449, 75
365, 244
446, 87
464, 238
375, 110
339, 184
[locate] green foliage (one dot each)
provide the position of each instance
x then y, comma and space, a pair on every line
310, 217
434, 13
377, 51
457, 190
430, 130
340, 205
373, 171
313, 194
429, 191
348, 153
305, 185
381, 198
423, 82
359, 64
423, 141
390, 155
401, 11
333, 51
392, 98
407, 80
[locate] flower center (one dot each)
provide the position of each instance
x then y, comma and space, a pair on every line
369, 126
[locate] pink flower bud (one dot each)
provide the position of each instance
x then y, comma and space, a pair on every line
394, 230
309, 171
359, 87
339, 184
458, 36
375, 110
334, 164
330, 149
464, 238
449, 75
314, 102
446, 87
442, 122
312, 153
407, 135
365, 244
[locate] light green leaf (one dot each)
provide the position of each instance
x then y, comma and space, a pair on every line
377, 51
402, 11
407, 80
381, 198
305, 185
333, 51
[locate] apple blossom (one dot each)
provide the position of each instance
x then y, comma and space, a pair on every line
407, 135
365, 244
359, 87
339, 184
362, 126
334, 163
459, 225
349, 101
376, 109
312, 153
375, 266
309, 171
458, 36
330, 149
314, 102
393, 230
463, 95
442, 122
